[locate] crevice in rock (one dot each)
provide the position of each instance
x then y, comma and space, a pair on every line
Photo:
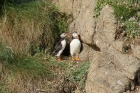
93, 46
94, 28
137, 77
120, 33
134, 84
127, 47
72, 3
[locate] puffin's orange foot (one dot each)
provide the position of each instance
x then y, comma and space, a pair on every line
72, 58
77, 58
59, 59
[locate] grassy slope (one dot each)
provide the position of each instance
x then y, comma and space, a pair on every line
31, 27
42, 73
27, 29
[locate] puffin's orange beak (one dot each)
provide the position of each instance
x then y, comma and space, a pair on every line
77, 37
68, 35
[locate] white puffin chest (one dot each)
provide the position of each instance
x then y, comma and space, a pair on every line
75, 46
63, 44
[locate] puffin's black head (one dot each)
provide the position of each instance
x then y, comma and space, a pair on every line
63, 35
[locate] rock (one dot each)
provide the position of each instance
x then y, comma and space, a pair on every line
111, 69
83, 22
77, 91
64, 5
136, 50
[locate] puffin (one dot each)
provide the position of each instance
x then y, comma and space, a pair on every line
60, 46
75, 47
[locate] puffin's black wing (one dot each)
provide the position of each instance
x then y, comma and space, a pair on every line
81, 49
66, 51
58, 47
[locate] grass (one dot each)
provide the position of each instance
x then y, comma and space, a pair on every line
80, 74
126, 13
6, 53
20, 73
23, 64
34, 26
77, 73
29, 66
27, 29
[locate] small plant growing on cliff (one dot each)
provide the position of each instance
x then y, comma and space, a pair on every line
132, 28
126, 13
80, 75
77, 73
99, 5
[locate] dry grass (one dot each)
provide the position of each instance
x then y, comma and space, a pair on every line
27, 29
20, 37
63, 76
31, 27
24, 84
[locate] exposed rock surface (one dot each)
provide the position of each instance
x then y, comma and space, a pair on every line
111, 68
83, 22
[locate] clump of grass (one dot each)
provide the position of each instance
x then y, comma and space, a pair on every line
22, 64
99, 5
132, 28
3, 88
124, 10
29, 66
6, 53
126, 13
80, 74
77, 73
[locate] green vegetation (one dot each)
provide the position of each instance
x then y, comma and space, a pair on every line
34, 26
6, 53
126, 13
79, 75
27, 30
40, 68
22, 64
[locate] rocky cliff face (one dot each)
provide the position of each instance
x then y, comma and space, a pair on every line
112, 69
